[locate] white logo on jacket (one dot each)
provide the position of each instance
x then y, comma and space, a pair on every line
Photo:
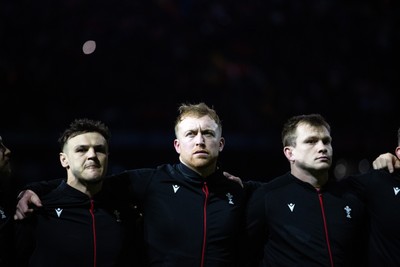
396, 190
58, 211
2, 214
291, 206
175, 187
230, 198
348, 210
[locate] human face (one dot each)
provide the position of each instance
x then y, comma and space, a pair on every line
5, 166
313, 149
198, 144
85, 157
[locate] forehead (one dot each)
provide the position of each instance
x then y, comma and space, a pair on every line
306, 130
92, 138
190, 122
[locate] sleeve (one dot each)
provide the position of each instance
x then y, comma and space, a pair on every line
6, 240
255, 227
24, 241
41, 188
250, 185
133, 183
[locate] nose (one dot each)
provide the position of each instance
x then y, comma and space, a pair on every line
91, 153
322, 146
199, 139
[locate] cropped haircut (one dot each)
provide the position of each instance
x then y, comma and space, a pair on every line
196, 110
289, 128
80, 126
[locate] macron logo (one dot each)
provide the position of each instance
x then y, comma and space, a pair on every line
291, 206
58, 211
396, 190
175, 187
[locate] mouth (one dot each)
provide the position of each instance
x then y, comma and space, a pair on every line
92, 167
324, 159
201, 152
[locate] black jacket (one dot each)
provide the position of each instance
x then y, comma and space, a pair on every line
6, 235
74, 230
189, 221
290, 223
381, 192
7, 209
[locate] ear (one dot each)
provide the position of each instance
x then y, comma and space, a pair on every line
177, 146
63, 160
397, 151
221, 144
288, 151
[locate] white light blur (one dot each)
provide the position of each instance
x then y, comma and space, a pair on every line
340, 170
89, 47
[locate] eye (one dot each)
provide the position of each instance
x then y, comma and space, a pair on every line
100, 150
190, 134
208, 133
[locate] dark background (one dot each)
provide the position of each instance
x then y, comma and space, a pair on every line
256, 62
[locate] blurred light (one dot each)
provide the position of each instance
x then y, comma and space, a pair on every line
363, 166
340, 170
89, 47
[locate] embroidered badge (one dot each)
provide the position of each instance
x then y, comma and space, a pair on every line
2, 214
230, 198
348, 210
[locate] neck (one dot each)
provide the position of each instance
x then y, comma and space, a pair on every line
317, 178
89, 188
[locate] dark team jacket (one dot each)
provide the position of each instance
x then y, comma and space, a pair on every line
381, 192
189, 220
290, 223
6, 232
74, 230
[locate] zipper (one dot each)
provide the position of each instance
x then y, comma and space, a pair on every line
328, 243
203, 250
91, 211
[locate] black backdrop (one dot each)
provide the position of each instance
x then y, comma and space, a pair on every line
256, 62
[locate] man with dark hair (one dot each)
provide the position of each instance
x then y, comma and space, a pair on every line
81, 222
304, 217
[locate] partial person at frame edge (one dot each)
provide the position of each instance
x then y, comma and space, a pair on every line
380, 189
8, 190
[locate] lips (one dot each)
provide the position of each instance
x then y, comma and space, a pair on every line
201, 152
